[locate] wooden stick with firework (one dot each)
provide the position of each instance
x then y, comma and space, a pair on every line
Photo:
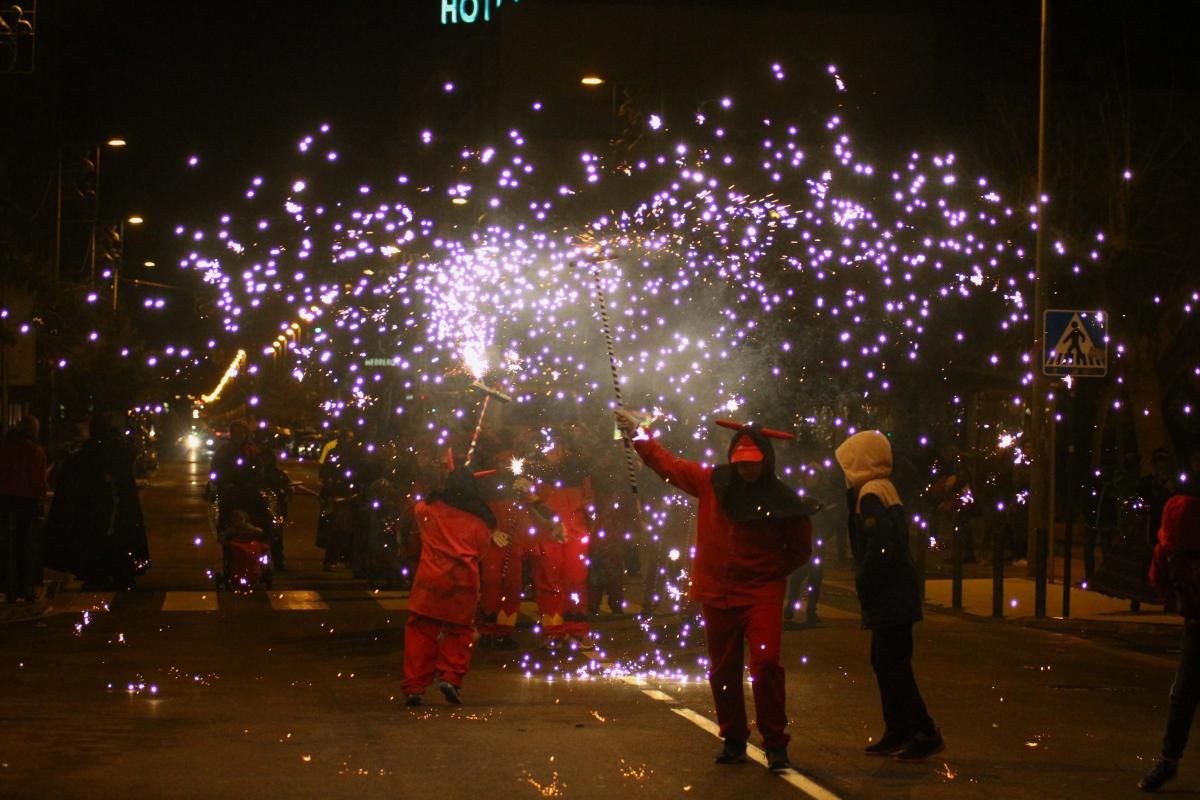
602, 309
488, 394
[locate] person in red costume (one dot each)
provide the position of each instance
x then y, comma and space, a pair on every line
752, 531
1175, 575
521, 525
563, 566
455, 527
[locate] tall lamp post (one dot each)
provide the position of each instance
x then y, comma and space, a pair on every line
1041, 498
115, 143
134, 221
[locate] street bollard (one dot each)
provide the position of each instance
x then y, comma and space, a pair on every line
997, 573
922, 545
956, 575
1066, 608
1042, 546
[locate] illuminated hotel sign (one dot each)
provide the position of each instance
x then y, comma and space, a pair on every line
468, 11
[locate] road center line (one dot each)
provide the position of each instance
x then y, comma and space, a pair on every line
802, 782
657, 695
297, 601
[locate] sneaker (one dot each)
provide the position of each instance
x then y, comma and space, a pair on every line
584, 643
734, 752
777, 759
921, 746
888, 745
450, 692
1162, 773
414, 700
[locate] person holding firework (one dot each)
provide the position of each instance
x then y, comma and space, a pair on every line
752, 531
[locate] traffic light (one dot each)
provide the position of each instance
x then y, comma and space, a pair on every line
108, 246
18, 33
86, 179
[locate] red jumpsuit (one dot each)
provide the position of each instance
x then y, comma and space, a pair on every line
562, 570
441, 608
501, 601
739, 578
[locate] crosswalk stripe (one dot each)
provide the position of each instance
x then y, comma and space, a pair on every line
391, 600
190, 601
297, 601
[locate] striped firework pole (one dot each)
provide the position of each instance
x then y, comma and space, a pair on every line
602, 307
488, 394
478, 428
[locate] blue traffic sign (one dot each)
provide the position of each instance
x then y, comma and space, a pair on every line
1075, 343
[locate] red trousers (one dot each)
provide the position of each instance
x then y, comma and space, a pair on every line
560, 578
500, 599
431, 644
760, 626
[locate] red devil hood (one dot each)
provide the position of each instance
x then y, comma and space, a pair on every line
1180, 529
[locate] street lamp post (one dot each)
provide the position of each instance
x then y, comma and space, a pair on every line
134, 220
1041, 497
115, 142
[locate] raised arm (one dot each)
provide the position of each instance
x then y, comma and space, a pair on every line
687, 475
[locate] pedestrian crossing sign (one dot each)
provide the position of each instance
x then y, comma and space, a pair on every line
1075, 343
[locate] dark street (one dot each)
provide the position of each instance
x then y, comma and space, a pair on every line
293, 693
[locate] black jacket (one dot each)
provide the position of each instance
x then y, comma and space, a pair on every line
888, 589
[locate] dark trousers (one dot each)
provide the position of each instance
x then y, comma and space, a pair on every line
804, 582
1185, 693
904, 711
19, 565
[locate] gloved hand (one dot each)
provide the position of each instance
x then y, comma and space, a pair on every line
501, 539
627, 422
558, 533
523, 485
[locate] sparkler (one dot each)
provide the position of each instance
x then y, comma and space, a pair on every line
726, 250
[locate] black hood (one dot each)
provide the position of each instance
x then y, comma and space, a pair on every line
462, 493
766, 498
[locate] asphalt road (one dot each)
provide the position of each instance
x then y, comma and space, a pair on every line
295, 693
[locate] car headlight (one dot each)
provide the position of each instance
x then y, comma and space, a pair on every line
192, 441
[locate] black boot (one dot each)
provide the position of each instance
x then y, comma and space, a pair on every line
777, 759
921, 746
1159, 775
734, 752
887, 745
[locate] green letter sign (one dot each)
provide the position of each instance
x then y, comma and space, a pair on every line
468, 11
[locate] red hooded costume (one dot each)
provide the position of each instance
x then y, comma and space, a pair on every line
440, 631
1175, 570
749, 537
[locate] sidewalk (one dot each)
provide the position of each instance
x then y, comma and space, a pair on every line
1019, 602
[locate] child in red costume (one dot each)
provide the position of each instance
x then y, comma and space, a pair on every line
455, 527
522, 525
752, 531
563, 566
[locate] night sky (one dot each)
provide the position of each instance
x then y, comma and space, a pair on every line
236, 84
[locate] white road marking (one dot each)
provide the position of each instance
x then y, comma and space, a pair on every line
797, 779
657, 695
190, 601
297, 601
391, 599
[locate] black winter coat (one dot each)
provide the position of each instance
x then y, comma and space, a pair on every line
888, 589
